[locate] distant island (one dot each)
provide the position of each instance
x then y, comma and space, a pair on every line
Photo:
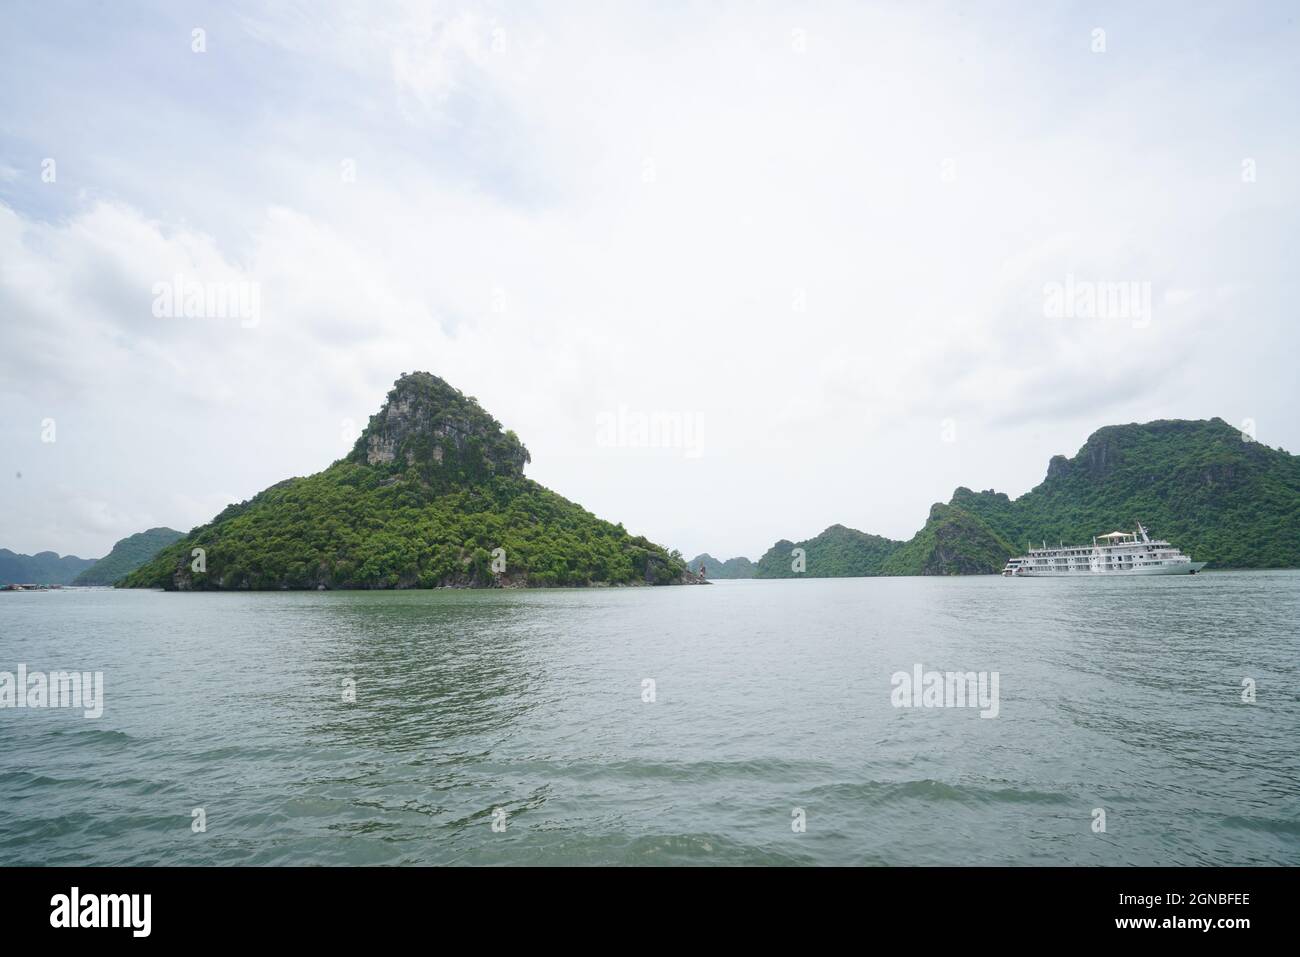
716, 568
47, 568
1202, 484
128, 555
43, 568
432, 495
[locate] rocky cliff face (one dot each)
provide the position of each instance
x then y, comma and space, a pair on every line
428, 424
1058, 467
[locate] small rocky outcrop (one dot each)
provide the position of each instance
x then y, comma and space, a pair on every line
1058, 467
427, 423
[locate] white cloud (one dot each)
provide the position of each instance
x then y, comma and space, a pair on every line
566, 213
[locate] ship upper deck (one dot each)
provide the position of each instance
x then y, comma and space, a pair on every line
1155, 545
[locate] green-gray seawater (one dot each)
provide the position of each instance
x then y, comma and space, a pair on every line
769, 696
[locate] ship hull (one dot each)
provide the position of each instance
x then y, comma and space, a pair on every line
1181, 568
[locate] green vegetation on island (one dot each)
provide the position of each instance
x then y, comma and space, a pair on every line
432, 494
838, 552
128, 555
952, 542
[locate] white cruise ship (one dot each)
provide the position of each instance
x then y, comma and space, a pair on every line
1119, 553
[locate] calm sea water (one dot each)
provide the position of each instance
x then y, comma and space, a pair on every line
768, 697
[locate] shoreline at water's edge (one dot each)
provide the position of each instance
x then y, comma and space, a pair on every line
512, 586
590, 585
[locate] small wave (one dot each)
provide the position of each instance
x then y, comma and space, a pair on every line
766, 768
1266, 825
92, 735
883, 792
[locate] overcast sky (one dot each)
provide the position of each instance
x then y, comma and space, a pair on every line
819, 240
